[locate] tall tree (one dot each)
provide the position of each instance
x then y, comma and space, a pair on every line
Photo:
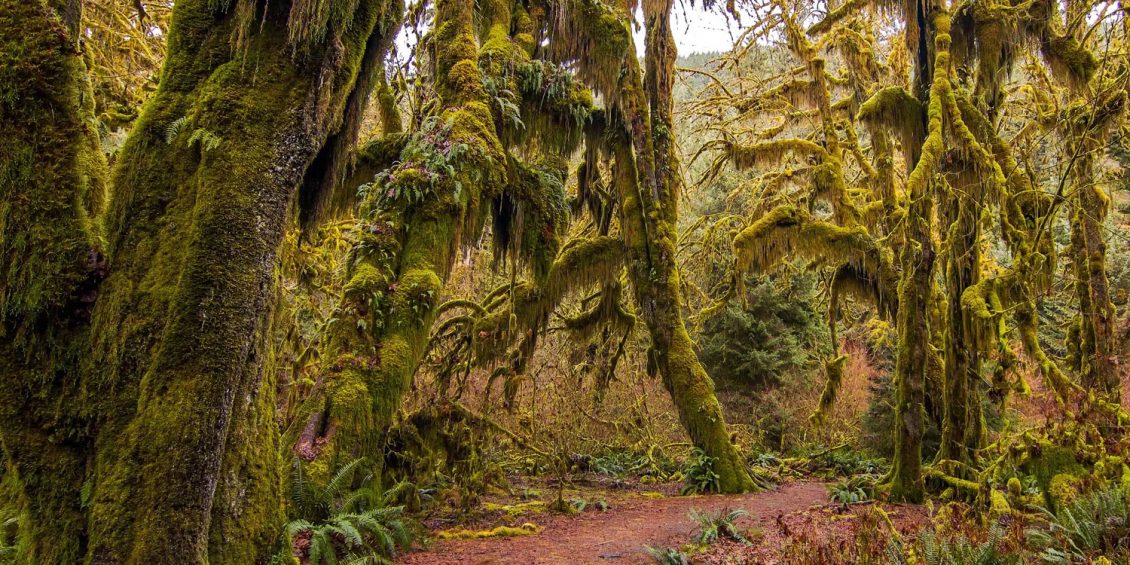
166, 402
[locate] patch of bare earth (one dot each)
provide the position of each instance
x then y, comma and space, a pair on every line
620, 534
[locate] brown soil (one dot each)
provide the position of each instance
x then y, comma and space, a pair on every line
620, 534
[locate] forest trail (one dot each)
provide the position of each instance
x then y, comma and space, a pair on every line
619, 534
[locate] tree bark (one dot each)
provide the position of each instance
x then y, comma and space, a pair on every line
52, 185
204, 189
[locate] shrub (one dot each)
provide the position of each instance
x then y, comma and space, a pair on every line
712, 527
1096, 522
699, 474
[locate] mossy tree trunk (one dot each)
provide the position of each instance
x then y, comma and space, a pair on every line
168, 382
406, 250
52, 187
961, 424
929, 46
1096, 357
648, 191
915, 289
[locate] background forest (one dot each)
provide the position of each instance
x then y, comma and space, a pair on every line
321, 281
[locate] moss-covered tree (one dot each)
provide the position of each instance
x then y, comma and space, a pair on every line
52, 192
167, 406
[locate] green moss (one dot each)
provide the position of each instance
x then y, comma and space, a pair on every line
52, 192
834, 373
194, 236
998, 504
500, 531
1054, 468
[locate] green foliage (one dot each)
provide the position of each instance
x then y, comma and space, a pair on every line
859, 488
960, 550
205, 139
667, 556
839, 462
774, 334
722, 525
428, 160
699, 474
335, 521
623, 464
578, 505
1097, 522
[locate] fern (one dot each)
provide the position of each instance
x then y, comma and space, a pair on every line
1098, 522
173, 129
206, 139
960, 550
700, 475
713, 527
854, 490
667, 556
335, 521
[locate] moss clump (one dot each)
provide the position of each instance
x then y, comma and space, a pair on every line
525, 529
1049, 463
515, 510
834, 372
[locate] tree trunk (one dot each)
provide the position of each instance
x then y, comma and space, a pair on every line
405, 254
204, 190
961, 429
1096, 358
648, 190
904, 482
52, 185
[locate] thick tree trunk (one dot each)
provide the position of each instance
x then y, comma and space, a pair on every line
52, 185
915, 289
916, 284
961, 425
204, 190
1096, 358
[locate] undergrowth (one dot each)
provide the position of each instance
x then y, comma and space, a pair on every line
339, 521
721, 525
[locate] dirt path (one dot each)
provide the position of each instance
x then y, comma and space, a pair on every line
618, 535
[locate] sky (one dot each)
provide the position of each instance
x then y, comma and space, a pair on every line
696, 31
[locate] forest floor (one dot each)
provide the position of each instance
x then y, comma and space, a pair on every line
635, 519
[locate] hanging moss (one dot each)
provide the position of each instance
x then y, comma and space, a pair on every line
596, 37
895, 108
772, 152
834, 373
786, 232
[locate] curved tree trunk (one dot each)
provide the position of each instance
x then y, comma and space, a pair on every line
405, 252
648, 190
